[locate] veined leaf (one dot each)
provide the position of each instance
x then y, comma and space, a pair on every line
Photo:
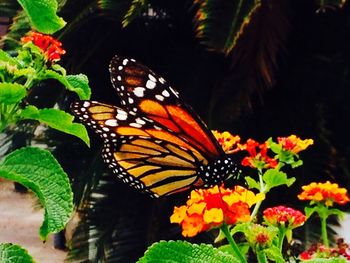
11, 253
185, 252
42, 15
80, 85
56, 119
5, 57
76, 83
38, 170
11, 93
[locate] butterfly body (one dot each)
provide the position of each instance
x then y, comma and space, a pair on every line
155, 143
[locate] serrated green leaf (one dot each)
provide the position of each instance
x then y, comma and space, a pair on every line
80, 85
11, 93
5, 57
252, 183
274, 178
185, 252
11, 253
38, 170
59, 68
57, 119
42, 15
76, 83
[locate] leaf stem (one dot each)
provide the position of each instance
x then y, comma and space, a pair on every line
233, 244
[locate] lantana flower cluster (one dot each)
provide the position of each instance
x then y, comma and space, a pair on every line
294, 144
284, 216
51, 47
327, 193
212, 207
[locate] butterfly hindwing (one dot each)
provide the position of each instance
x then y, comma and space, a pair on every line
149, 159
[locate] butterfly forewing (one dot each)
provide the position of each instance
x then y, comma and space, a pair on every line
146, 93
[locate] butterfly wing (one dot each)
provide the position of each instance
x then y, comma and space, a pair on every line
147, 94
149, 159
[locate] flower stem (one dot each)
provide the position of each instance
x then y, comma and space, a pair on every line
281, 235
260, 255
324, 230
261, 190
233, 244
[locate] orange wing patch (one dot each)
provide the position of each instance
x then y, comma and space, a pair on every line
192, 128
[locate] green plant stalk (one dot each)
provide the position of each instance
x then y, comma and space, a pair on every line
261, 190
260, 255
324, 230
233, 244
281, 235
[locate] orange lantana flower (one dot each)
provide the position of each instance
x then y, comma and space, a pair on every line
327, 193
227, 141
51, 47
294, 144
212, 207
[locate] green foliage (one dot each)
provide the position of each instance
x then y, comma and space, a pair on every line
219, 29
11, 93
185, 252
10, 253
42, 15
56, 119
20, 73
135, 9
274, 178
38, 170
325, 260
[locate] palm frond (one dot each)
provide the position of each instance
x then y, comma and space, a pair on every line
8, 8
136, 8
218, 28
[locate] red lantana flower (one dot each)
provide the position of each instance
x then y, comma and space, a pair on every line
284, 216
51, 47
212, 207
258, 155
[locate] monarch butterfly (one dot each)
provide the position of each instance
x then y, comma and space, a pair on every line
155, 143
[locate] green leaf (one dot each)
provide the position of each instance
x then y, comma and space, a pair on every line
273, 253
309, 211
76, 83
185, 252
42, 15
11, 253
274, 178
80, 85
11, 93
38, 170
5, 57
252, 183
57, 119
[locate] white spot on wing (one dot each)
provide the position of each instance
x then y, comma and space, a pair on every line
125, 61
139, 91
86, 104
150, 84
111, 122
130, 100
161, 80
174, 92
136, 125
159, 97
165, 93
151, 77
120, 67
